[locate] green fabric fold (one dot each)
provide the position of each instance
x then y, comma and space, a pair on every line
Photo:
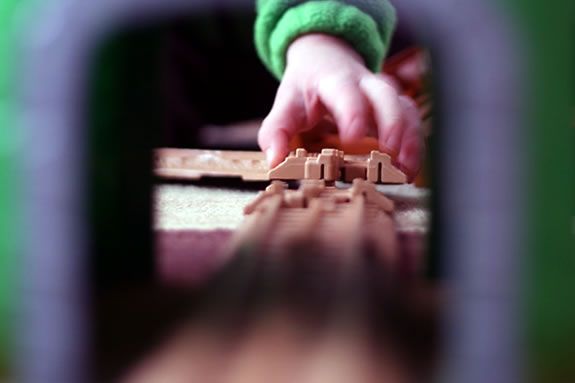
367, 25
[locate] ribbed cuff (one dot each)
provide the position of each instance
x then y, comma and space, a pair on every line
330, 17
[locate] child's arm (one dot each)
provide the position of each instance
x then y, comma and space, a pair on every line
325, 53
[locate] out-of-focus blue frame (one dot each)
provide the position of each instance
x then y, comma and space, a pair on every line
481, 176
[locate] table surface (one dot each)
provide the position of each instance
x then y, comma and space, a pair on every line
194, 223
207, 207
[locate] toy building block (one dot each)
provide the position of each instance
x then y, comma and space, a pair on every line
324, 218
361, 187
332, 165
375, 167
275, 188
381, 170
306, 194
292, 168
325, 166
302, 165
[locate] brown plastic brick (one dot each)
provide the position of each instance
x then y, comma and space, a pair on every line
319, 217
361, 187
381, 170
292, 168
332, 165
275, 188
302, 165
377, 167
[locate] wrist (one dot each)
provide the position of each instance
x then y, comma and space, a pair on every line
314, 46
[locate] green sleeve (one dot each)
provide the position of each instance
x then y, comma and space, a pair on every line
367, 25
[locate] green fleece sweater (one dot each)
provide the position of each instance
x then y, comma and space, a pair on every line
366, 24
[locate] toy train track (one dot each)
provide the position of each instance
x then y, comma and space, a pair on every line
318, 219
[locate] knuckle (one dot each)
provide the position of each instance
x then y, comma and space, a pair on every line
333, 82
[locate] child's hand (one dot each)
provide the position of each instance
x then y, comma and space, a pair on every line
325, 76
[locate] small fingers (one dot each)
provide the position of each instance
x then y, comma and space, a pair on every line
344, 100
409, 158
387, 111
287, 117
412, 146
398, 123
